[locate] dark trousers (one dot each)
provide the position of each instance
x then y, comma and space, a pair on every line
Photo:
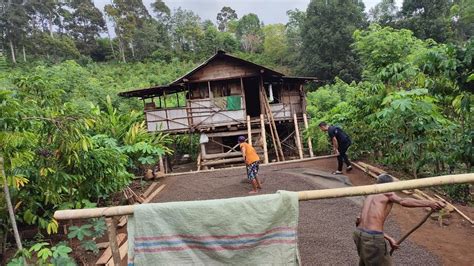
342, 157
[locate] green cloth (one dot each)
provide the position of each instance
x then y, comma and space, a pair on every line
234, 103
252, 230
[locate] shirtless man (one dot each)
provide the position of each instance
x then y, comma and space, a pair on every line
369, 236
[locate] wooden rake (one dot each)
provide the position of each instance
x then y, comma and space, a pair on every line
413, 229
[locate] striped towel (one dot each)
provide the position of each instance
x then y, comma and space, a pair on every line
245, 231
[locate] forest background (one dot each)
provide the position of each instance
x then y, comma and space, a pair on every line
399, 80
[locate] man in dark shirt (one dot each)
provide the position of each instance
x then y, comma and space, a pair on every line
340, 144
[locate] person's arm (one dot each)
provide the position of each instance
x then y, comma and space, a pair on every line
242, 149
391, 241
414, 203
335, 145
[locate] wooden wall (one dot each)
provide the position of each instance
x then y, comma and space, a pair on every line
221, 68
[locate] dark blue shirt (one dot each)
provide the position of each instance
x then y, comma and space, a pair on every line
341, 136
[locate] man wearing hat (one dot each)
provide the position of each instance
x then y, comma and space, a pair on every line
251, 161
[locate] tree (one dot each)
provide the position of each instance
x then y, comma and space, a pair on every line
462, 17
128, 15
14, 20
186, 31
427, 18
160, 9
249, 32
275, 45
224, 16
384, 13
84, 24
294, 26
327, 37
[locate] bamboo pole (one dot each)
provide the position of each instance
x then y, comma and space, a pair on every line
297, 133
310, 144
302, 195
249, 130
264, 139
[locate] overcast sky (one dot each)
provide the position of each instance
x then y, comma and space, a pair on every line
269, 11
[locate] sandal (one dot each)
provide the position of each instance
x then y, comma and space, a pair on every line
337, 173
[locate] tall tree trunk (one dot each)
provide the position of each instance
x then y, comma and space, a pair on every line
12, 50
133, 50
10, 206
24, 54
122, 51
110, 41
50, 24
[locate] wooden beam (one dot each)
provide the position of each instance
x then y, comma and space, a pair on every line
153, 195
297, 134
123, 250
112, 232
310, 144
105, 257
264, 139
223, 161
249, 131
222, 155
231, 133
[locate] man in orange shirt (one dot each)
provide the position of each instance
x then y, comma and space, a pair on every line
251, 161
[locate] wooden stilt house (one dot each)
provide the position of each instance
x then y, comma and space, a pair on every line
226, 97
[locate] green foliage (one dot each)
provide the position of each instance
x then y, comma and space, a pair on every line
80, 232
327, 36
48, 255
458, 192
410, 104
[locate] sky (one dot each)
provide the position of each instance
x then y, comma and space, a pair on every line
269, 11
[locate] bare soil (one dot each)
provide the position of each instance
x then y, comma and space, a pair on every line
325, 226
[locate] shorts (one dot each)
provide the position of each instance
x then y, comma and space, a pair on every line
371, 248
252, 170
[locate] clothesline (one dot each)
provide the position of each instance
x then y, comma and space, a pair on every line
302, 195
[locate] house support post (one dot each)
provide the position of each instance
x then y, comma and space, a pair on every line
264, 139
310, 144
249, 131
298, 138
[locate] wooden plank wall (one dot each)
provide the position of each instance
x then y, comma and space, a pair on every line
221, 68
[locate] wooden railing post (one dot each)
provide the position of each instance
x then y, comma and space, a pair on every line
264, 139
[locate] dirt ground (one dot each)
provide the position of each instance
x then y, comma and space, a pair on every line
325, 226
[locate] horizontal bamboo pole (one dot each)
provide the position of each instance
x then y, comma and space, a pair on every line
302, 195
386, 187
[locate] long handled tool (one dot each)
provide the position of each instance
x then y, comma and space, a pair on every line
413, 230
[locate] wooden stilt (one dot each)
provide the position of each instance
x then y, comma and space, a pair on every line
249, 131
264, 139
310, 144
203, 154
271, 120
297, 134
111, 230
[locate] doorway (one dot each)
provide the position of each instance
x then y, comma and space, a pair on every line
252, 96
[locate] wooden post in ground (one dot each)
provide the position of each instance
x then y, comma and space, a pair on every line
203, 155
264, 139
297, 133
310, 144
112, 231
162, 166
249, 131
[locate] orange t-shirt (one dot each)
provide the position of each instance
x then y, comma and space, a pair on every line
251, 155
